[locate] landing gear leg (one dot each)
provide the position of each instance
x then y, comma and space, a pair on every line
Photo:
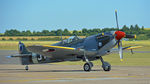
105, 65
88, 65
26, 68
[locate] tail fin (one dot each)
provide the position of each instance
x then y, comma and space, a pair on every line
22, 49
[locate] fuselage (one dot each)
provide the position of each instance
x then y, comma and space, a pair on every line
94, 46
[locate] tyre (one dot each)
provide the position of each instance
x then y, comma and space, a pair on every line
26, 68
106, 66
91, 64
87, 67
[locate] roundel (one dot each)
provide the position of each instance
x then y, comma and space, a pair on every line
39, 58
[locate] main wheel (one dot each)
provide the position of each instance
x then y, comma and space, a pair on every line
26, 68
106, 66
87, 67
91, 64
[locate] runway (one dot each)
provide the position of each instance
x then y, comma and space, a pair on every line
66, 74
12, 72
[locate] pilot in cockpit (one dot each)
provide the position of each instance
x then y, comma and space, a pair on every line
72, 38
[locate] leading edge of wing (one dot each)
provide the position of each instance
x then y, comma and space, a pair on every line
132, 47
115, 50
59, 47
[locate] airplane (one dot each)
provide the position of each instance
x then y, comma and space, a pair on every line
76, 49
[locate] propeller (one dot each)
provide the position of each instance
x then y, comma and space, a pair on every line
119, 35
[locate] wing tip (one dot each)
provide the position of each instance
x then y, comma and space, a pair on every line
121, 60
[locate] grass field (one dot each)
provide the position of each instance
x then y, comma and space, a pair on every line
137, 59
146, 28
33, 37
13, 45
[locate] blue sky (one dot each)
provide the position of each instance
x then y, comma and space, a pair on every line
71, 14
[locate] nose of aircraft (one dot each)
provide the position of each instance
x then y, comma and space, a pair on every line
120, 35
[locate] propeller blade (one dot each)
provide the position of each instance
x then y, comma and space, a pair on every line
116, 19
130, 36
120, 50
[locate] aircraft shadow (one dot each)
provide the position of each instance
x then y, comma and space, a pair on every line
10, 69
63, 71
20, 70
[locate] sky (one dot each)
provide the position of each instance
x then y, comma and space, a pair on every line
38, 15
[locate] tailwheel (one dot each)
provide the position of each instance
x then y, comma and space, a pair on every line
26, 68
87, 67
106, 66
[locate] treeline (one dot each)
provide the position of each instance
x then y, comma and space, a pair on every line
32, 39
140, 32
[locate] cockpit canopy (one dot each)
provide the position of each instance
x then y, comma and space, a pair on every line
71, 39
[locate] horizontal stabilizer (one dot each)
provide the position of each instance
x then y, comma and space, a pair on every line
19, 55
8, 56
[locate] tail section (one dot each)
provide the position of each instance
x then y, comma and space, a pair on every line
27, 57
25, 60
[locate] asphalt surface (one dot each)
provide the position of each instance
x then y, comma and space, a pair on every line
5, 60
13, 73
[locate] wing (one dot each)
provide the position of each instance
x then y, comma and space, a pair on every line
131, 47
115, 50
54, 51
59, 51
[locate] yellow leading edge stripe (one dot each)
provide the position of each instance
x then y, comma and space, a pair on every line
59, 47
135, 36
134, 47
